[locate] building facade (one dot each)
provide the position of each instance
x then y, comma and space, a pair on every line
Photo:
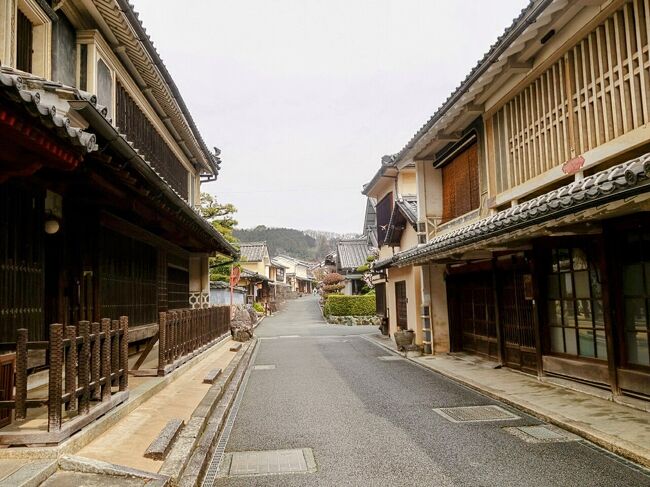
100, 174
533, 189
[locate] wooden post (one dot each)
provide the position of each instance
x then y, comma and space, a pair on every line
124, 353
115, 351
55, 381
84, 367
96, 363
106, 359
70, 355
21, 374
162, 341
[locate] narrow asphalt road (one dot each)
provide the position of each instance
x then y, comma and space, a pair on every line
371, 422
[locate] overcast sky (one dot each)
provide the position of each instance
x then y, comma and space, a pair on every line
303, 97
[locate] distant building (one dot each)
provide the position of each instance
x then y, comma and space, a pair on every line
351, 254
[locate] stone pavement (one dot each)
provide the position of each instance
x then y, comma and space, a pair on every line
126, 442
616, 427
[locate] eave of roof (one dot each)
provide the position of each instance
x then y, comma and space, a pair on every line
119, 143
621, 181
526, 17
210, 161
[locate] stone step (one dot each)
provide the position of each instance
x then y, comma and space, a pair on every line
31, 474
235, 347
160, 446
211, 376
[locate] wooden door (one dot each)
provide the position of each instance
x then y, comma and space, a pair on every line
516, 319
401, 302
472, 314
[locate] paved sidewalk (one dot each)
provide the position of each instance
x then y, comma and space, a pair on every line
618, 428
126, 441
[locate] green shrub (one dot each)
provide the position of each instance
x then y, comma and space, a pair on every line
363, 268
259, 307
341, 305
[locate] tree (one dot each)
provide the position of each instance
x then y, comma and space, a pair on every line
221, 218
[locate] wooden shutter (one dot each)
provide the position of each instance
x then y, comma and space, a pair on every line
384, 211
401, 303
460, 190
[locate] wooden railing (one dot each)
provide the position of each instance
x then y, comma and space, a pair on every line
185, 332
85, 362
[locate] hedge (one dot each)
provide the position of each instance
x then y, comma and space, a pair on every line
341, 305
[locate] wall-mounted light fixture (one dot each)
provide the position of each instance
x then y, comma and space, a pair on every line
53, 212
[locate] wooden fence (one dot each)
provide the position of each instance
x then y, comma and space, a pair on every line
85, 363
183, 333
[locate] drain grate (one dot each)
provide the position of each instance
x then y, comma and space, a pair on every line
541, 434
274, 462
391, 358
264, 367
473, 414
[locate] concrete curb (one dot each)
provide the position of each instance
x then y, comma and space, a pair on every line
87, 465
608, 442
215, 404
82, 438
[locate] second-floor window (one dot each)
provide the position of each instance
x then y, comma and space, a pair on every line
24, 42
134, 123
460, 189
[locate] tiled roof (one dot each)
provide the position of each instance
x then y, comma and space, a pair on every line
276, 263
253, 276
408, 205
525, 18
252, 251
623, 180
25, 89
353, 253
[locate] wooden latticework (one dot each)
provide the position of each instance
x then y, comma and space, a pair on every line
595, 93
460, 185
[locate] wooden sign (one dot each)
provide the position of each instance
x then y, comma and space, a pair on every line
528, 287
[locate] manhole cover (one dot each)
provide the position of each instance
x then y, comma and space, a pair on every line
247, 463
471, 414
263, 367
541, 434
390, 358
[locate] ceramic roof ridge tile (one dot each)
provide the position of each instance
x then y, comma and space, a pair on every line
623, 176
12, 83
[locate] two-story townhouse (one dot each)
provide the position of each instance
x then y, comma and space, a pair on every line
297, 275
100, 172
534, 190
397, 289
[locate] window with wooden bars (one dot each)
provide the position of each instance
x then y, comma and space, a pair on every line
384, 211
134, 123
460, 185
596, 92
24, 42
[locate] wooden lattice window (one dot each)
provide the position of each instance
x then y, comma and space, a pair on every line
128, 281
401, 303
384, 211
178, 288
595, 93
24, 42
460, 188
133, 122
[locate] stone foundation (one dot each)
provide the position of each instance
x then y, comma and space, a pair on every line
354, 320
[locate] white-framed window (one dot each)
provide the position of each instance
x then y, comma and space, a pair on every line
25, 37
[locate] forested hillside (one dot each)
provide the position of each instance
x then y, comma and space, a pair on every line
307, 245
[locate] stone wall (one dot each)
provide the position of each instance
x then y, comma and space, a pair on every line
354, 320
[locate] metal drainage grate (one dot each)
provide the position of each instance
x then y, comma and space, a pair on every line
264, 367
541, 434
472, 414
274, 462
391, 358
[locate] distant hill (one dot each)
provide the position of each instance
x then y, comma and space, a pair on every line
310, 245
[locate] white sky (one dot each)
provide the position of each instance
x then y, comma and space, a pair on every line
303, 97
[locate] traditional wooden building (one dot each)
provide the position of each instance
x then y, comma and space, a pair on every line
100, 173
397, 289
533, 189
